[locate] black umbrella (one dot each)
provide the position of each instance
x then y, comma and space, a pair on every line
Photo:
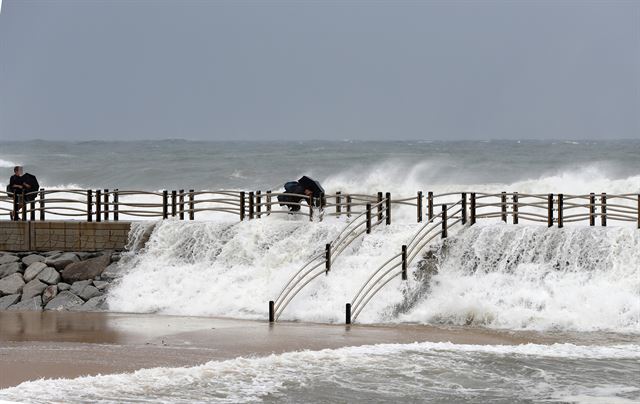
312, 185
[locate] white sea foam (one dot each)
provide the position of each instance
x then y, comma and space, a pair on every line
397, 372
7, 163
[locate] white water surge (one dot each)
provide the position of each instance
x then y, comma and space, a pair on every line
496, 275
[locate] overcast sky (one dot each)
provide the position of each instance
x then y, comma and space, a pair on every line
319, 70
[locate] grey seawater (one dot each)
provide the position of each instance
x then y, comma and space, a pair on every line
169, 164
426, 372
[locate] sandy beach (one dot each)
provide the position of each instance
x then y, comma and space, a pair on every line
66, 344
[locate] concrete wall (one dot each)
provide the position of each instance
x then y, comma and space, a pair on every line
63, 236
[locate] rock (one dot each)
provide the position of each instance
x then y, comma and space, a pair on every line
32, 289
7, 301
49, 293
31, 258
33, 270
113, 271
11, 285
88, 269
60, 262
49, 276
10, 269
51, 254
64, 301
7, 258
34, 303
86, 255
115, 257
85, 290
100, 285
98, 303
63, 286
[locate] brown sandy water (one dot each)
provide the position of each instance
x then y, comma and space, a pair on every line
37, 345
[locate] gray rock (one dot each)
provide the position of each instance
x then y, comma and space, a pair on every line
49, 293
85, 291
33, 270
7, 301
88, 269
33, 289
49, 276
63, 286
11, 285
86, 255
64, 301
7, 258
98, 303
100, 285
10, 269
31, 258
34, 303
62, 261
51, 254
113, 271
115, 257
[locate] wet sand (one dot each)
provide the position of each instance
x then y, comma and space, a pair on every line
37, 345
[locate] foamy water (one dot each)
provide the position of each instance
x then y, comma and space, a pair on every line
419, 372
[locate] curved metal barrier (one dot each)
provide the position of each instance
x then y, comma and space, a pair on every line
322, 263
451, 215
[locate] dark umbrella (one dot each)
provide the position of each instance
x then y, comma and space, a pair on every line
313, 185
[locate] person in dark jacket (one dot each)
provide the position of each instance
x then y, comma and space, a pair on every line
304, 189
22, 184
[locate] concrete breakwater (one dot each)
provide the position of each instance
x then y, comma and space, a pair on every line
56, 280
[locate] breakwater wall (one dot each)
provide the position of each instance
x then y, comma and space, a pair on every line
20, 236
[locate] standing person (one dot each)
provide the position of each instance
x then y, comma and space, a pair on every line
20, 184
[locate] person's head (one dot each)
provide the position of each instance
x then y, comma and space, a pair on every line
17, 170
308, 192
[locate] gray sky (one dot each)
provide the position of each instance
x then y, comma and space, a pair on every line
319, 70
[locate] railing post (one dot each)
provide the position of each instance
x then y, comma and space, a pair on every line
603, 209
311, 207
16, 206
503, 206
560, 209
42, 201
258, 204
444, 221
327, 258
174, 203
98, 206
430, 205
181, 203
251, 205
192, 204
338, 203
379, 206
32, 209
272, 314
242, 206
348, 205
592, 209
165, 204
323, 200
388, 207
89, 205
268, 203
347, 318
24, 206
515, 208
368, 214
419, 206
549, 210
404, 262
106, 204
472, 202
464, 208
115, 205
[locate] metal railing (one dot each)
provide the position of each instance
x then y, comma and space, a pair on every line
372, 216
